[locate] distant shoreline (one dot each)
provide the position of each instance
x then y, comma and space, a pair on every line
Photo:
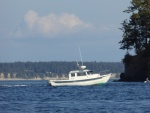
38, 78
113, 76
6, 79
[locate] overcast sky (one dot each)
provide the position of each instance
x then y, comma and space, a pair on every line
53, 30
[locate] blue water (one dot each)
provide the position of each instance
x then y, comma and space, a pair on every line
38, 97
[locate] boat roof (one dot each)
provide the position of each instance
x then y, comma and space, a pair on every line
79, 71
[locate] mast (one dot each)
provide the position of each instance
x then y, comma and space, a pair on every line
80, 56
82, 66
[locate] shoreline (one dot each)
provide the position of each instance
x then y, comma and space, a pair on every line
15, 79
36, 79
113, 76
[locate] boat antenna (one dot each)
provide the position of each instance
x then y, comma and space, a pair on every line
80, 56
77, 63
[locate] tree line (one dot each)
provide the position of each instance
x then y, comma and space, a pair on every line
53, 69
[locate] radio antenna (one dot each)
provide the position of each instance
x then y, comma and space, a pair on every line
80, 56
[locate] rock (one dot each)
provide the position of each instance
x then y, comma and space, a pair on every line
137, 68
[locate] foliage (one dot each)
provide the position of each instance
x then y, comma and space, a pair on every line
136, 36
127, 59
136, 30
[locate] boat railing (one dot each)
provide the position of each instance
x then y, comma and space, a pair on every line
104, 72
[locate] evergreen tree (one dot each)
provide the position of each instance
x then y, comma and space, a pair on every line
136, 30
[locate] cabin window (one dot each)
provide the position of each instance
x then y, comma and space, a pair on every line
72, 74
89, 72
81, 74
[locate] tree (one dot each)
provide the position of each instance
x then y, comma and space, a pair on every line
136, 30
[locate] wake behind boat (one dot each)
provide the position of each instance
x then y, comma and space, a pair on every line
81, 77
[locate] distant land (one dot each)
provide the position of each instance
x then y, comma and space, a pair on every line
53, 69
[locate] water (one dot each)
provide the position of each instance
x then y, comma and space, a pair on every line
38, 97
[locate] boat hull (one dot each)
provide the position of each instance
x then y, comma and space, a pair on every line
83, 82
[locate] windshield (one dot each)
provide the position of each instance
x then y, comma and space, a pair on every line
89, 72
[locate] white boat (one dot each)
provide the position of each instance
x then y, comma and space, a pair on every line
147, 80
81, 77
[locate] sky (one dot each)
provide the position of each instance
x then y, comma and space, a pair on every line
54, 30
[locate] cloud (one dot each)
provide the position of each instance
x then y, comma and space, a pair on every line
34, 25
53, 24
30, 18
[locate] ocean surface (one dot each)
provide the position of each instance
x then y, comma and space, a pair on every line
39, 97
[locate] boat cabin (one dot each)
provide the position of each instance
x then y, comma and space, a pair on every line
79, 73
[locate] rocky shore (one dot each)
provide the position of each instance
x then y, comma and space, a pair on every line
137, 68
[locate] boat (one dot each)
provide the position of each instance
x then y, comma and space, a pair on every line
147, 80
81, 77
